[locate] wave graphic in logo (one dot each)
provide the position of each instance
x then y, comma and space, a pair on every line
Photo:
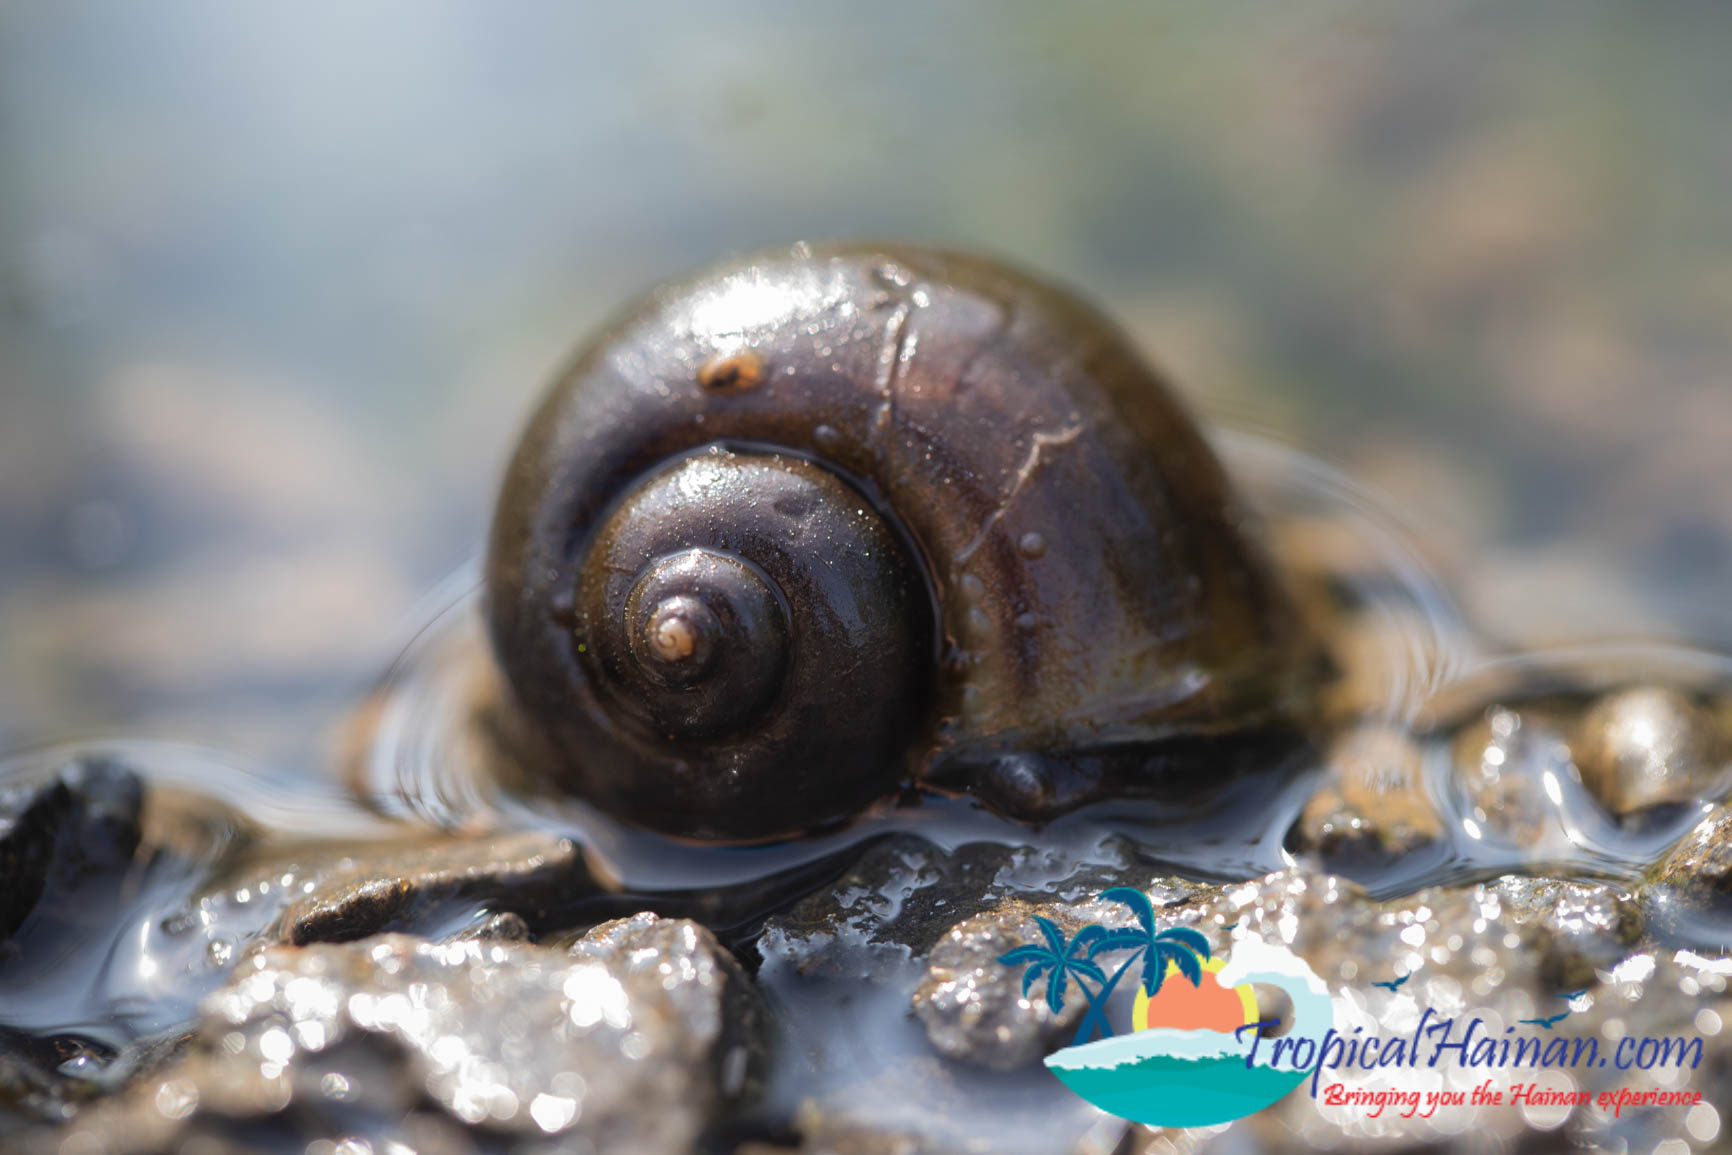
1189, 1060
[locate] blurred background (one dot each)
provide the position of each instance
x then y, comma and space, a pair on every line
278, 285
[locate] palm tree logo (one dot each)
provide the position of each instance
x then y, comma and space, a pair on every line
1062, 962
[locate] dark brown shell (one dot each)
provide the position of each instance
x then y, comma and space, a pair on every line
1093, 594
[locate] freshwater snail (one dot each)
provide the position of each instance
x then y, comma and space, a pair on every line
820, 522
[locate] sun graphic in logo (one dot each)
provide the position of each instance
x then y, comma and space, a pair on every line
1208, 1006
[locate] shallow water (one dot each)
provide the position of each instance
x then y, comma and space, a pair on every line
130, 969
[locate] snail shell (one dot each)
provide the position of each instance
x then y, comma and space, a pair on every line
816, 523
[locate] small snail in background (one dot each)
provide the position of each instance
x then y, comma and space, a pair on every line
819, 524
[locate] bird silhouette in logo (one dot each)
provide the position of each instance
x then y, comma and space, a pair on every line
1394, 984
1572, 996
1549, 1022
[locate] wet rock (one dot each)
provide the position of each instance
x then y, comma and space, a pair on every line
1373, 807
843, 968
29, 1093
1143, 1140
1695, 878
973, 1006
77, 877
1544, 934
907, 893
54, 838
1510, 954
824, 1135
1516, 777
821, 1134
1647, 746
502, 888
432, 889
818, 1136
444, 888
1657, 994
361, 1092
1576, 928
505, 927
703, 1003
635, 1040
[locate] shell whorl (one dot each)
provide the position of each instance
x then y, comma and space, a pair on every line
1079, 542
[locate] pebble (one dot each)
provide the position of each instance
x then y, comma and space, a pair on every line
1372, 807
1576, 929
631, 1041
972, 1005
417, 889
506, 927
1695, 877
1648, 746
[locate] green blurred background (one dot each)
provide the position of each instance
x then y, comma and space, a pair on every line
277, 285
